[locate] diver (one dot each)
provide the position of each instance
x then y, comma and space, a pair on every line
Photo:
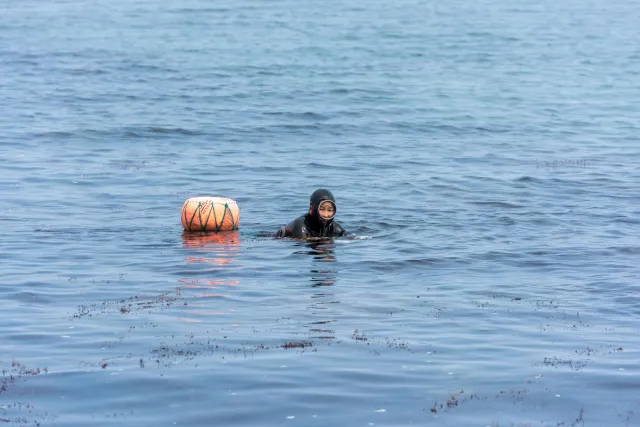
318, 222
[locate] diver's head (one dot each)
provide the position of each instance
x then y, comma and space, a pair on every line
322, 206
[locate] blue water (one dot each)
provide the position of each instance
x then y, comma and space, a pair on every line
485, 153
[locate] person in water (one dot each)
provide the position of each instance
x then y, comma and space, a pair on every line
318, 222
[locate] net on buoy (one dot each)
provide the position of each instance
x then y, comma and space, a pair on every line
210, 214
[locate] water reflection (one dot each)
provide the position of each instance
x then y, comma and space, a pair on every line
216, 248
323, 278
220, 250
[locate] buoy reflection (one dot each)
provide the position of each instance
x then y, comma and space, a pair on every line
216, 248
220, 249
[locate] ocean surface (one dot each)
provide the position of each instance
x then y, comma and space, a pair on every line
485, 154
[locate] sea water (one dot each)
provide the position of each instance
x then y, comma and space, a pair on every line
485, 154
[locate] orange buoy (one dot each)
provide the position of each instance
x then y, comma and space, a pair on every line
210, 214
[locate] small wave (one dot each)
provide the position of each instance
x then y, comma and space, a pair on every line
626, 220
61, 134
389, 266
527, 178
132, 132
132, 231
632, 250
308, 115
128, 164
128, 66
444, 128
297, 127
84, 71
179, 131
351, 239
269, 73
200, 10
498, 204
147, 131
330, 167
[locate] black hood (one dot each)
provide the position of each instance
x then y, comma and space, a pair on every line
318, 197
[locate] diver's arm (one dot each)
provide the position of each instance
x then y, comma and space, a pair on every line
298, 228
281, 233
295, 229
338, 230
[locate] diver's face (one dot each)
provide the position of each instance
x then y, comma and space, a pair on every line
326, 210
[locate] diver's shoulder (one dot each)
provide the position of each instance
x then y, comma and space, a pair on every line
297, 228
298, 222
338, 229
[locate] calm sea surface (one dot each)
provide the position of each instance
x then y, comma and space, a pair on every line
485, 153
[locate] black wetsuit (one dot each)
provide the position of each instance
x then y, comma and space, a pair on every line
311, 224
